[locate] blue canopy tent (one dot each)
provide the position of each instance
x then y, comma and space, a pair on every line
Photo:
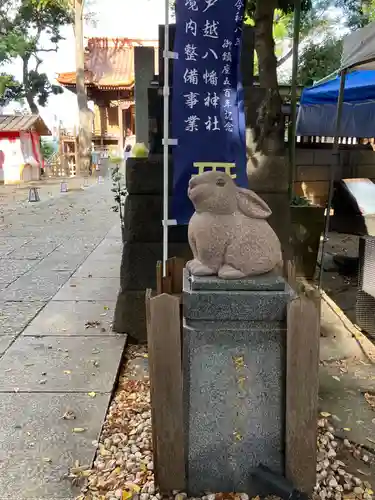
318, 107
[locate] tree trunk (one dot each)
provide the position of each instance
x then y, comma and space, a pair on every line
85, 115
270, 176
25, 80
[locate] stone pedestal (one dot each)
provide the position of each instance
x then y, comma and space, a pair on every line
144, 69
143, 243
234, 349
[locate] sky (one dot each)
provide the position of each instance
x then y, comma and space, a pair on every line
114, 18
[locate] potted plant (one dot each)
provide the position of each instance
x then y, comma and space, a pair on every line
307, 227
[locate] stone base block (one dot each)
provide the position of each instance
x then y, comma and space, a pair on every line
130, 316
138, 265
234, 368
145, 175
234, 383
262, 298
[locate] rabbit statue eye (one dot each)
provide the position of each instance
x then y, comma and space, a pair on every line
220, 182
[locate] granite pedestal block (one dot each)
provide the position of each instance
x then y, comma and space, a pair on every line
143, 243
234, 355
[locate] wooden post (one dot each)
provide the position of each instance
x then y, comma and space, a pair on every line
121, 127
302, 383
164, 351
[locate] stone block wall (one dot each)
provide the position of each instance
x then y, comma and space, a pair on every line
143, 236
313, 170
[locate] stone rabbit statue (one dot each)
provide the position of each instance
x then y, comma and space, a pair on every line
228, 233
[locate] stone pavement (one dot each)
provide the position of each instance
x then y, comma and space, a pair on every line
15, 196
346, 374
59, 278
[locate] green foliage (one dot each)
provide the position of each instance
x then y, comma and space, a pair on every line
300, 201
46, 148
119, 191
21, 29
10, 89
318, 60
358, 13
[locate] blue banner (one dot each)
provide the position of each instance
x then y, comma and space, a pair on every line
208, 117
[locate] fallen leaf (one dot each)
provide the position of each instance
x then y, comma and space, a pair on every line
347, 429
103, 314
370, 398
43, 381
69, 415
47, 460
325, 414
92, 324
133, 487
126, 495
336, 378
362, 473
91, 394
106, 308
78, 430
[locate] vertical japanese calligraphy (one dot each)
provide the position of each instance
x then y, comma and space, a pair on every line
207, 97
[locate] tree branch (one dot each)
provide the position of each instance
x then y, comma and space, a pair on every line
46, 50
285, 57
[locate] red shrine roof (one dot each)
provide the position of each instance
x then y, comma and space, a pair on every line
109, 63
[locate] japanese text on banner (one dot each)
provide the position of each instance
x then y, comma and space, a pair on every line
205, 111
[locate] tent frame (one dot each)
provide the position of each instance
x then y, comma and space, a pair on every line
332, 176
335, 152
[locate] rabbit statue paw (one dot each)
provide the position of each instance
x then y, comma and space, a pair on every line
228, 233
198, 269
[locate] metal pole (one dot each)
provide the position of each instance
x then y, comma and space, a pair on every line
335, 152
293, 106
166, 138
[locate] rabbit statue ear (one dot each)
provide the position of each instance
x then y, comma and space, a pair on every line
251, 205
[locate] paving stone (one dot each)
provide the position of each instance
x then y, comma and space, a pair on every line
93, 268
35, 286
89, 289
15, 316
68, 363
59, 261
33, 250
71, 318
110, 248
115, 232
10, 270
27, 474
13, 242
5, 341
77, 247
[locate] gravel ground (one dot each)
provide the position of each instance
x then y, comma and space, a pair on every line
123, 467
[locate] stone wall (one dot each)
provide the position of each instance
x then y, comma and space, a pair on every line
313, 170
143, 247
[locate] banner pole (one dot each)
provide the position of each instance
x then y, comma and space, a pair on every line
166, 138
